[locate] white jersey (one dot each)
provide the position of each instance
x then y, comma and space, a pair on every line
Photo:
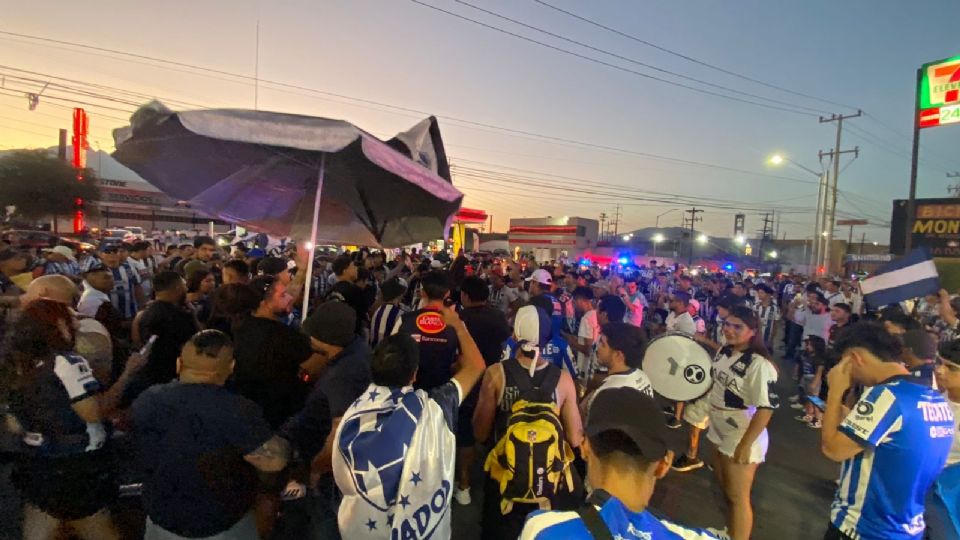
635, 378
681, 323
742, 382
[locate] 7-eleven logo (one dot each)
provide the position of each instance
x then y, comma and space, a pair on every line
944, 83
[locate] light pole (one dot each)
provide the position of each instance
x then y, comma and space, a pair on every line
657, 225
818, 246
657, 238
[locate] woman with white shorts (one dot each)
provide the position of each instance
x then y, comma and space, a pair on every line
741, 403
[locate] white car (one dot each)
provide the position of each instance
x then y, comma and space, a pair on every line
134, 234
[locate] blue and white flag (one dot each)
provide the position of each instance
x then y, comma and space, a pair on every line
911, 276
394, 463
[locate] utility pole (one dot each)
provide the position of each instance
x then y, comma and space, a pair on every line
603, 218
835, 156
693, 219
954, 190
616, 222
765, 233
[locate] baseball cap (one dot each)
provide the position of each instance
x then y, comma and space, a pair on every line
256, 253
921, 343
192, 267
532, 325
107, 247
695, 304
644, 426
62, 250
950, 351
436, 264
541, 276
333, 323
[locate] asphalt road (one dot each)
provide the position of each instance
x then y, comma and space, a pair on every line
791, 494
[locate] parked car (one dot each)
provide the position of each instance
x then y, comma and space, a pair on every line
34, 240
114, 236
134, 234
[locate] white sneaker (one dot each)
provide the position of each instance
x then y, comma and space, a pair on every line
462, 496
794, 399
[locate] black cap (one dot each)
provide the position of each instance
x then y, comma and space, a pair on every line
950, 351
921, 344
333, 323
271, 266
644, 424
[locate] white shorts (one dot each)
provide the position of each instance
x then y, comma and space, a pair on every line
696, 413
727, 429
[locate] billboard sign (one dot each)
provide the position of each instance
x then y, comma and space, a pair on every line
935, 225
940, 92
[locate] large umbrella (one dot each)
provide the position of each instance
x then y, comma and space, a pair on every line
289, 175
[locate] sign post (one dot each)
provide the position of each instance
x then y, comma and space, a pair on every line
937, 104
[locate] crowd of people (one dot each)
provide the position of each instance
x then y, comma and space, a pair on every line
367, 412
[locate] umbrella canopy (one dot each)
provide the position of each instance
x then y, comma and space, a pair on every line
261, 170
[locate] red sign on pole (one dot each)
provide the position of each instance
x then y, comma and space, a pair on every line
81, 128
851, 222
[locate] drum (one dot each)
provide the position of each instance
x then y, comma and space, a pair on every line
678, 367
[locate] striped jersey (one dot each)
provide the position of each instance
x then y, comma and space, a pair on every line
906, 431
767, 316
621, 522
383, 322
125, 279
66, 268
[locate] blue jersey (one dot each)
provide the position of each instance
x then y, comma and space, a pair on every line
906, 430
621, 521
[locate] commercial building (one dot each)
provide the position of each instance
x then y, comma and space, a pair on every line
552, 238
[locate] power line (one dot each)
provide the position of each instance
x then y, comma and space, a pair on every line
691, 59
631, 60
607, 64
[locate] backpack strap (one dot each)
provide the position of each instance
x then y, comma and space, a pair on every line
591, 516
515, 375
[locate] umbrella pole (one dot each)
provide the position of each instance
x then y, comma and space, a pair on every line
312, 245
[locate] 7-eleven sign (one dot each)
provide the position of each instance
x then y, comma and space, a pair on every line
940, 92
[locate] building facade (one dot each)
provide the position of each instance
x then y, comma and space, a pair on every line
550, 238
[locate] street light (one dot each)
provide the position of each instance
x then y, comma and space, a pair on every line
773, 254
627, 237
821, 248
703, 239
657, 238
740, 239
663, 214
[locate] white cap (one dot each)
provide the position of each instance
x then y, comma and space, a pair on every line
526, 328
541, 276
62, 250
436, 264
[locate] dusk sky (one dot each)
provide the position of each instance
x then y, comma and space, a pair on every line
406, 60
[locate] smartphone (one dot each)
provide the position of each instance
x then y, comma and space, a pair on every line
817, 402
145, 350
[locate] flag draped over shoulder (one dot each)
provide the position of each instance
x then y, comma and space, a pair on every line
910, 276
394, 462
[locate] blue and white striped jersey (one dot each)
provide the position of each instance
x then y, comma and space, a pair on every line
906, 430
125, 279
621, 522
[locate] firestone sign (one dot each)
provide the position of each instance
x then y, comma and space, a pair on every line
940, 93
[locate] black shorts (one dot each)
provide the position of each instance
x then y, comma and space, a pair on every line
465, 438
70, 487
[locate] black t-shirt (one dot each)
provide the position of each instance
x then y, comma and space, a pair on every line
190, 441
489, 329
268, 355
439, 346
340, 384
353, 296
173, 325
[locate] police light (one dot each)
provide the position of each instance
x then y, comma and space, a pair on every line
584, 262
728, 267
623, 260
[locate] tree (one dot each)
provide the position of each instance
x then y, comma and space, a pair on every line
41, 186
